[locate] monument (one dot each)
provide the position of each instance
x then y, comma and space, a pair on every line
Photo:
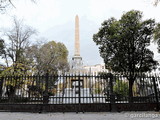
76, 87
76, 63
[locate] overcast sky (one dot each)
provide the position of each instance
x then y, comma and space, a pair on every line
54, 19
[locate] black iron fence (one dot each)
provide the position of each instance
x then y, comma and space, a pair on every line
78, 89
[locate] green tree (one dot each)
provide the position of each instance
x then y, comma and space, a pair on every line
51, 57
157, 36
121, 88
123, 45
12, 79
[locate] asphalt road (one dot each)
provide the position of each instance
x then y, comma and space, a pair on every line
81, 116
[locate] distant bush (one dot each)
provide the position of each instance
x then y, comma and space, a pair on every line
121, 88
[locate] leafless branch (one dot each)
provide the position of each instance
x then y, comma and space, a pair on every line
156, 2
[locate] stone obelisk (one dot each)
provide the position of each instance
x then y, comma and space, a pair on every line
76, 65
77, 43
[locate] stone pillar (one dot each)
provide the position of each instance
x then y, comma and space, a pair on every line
77, 64
77, 44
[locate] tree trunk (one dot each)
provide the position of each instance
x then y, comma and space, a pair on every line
11, 93
131, 81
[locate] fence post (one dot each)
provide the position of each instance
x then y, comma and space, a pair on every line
156, 93
45, 95
112, 95
79, 92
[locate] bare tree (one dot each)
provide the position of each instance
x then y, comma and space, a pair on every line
156, 2
4, 4
18, 41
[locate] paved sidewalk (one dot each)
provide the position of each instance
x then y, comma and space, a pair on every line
81, 116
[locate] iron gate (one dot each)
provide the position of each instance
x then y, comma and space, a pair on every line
80, 93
